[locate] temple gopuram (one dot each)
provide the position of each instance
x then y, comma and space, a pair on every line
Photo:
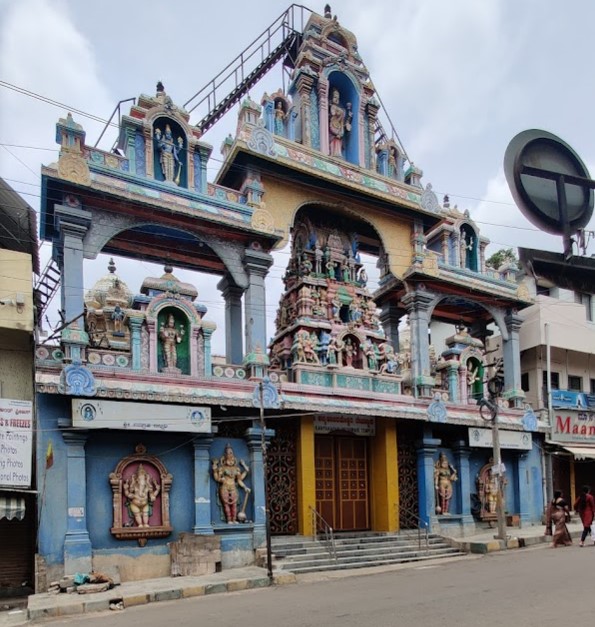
368, 382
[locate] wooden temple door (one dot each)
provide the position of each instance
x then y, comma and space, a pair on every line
342, 487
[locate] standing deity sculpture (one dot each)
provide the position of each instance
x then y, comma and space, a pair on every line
280, 116
141, 491
339, 124
169, 154
170, 336
444, 477
118, 317
230, 473
348, 353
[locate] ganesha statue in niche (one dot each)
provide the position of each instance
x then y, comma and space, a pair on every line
140, 486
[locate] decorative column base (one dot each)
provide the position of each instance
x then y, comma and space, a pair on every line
77, 553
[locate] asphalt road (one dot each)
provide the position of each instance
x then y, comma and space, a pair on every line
519, 588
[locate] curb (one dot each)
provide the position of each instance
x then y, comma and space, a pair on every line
60, 605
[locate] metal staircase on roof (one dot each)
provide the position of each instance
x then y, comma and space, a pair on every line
281, 40
46, 287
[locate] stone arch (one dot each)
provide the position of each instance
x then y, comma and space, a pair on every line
496, 313
107, 225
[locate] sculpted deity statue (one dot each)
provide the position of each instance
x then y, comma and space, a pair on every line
444, 476
280, 116
339, 124
348, 353
230, 473
118, 317
169, 154
141, 490
170, 336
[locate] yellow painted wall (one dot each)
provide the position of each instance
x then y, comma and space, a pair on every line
16, 277
384, 477
16, 365
284, 198
306, 475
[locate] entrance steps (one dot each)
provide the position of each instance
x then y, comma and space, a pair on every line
299, 554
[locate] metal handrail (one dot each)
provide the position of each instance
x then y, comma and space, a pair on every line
286, 24
420, 524
329, 536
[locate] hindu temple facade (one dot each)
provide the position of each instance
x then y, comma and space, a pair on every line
370, 392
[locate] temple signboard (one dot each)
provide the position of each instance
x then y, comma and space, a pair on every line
92, 414
354, 424
482, 438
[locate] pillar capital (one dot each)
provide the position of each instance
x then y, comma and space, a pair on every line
229, 288
418, 300
513, 322
257, 262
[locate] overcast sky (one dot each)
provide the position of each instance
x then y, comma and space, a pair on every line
458, 79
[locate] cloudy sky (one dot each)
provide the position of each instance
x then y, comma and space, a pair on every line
458, 79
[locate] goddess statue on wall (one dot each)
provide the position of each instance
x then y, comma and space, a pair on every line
339, 124
170, 336
169, 154
230, 474
444, 477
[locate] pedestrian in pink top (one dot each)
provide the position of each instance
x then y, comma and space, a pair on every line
585, 507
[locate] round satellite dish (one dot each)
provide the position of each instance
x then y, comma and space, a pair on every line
537, 195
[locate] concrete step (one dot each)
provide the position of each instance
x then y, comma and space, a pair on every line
372, 548
329, 564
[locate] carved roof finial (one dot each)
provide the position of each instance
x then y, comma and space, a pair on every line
160, 87
327, 11
446, 203
111, 266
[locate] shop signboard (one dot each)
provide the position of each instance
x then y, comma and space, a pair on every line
572, 426
482, 438
16, 440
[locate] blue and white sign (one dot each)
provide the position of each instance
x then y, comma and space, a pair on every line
568, 399
93, 414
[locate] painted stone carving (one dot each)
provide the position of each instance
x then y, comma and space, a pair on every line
444, 477
487, 491
140, 486
339, 124
170, 336
169, 154
141, 490
77, 380
230, 473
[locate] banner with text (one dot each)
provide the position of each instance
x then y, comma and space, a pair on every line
92, 414
573, 427
482, 438
16, 442
353, 424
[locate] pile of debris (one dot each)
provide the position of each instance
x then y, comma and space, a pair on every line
82, 583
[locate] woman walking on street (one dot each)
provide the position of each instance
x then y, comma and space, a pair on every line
585, 507
558, 514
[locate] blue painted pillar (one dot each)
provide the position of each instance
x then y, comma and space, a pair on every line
254, 438
511, 352
72, 225
202, 485
77, 544
463, 485
207, 332
257, 264
426, 458
453, 383
418, 305
522, 488
135, 323
232, 295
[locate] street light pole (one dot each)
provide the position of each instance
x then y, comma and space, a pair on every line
488, 410
498, 464
263, 444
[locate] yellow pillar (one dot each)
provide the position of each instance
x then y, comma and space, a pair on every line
306, 475
572, 482
384, 477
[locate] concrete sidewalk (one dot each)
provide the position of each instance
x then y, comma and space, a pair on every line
133, 593
517, 538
